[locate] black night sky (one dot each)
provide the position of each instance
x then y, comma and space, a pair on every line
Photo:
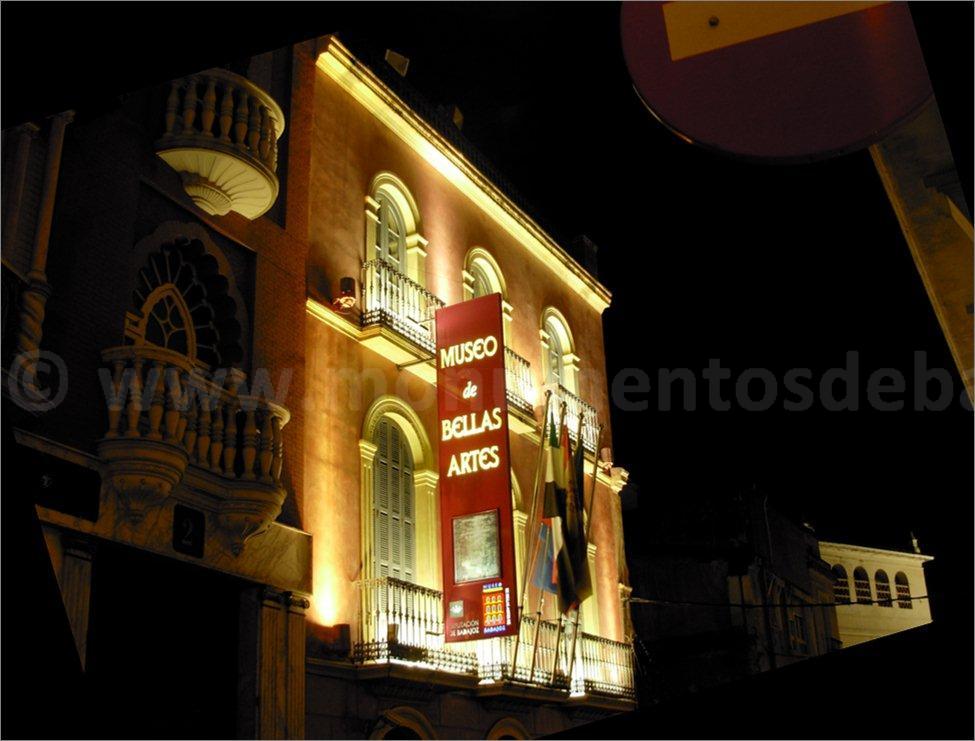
707, 257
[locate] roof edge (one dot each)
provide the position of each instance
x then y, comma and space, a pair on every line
341, 65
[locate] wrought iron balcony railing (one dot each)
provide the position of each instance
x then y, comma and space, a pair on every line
575, 409
403, 622
391, 299
518, 381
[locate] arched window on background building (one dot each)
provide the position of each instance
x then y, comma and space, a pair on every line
841, 585
883, 588
861, 584
903, 591
393, 504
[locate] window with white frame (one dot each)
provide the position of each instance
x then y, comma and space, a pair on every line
393, 228
390, 245
560, 365
481, 282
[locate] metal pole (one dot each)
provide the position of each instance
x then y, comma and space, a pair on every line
529, 543
555, 658
592, 501
541, 596
538, 625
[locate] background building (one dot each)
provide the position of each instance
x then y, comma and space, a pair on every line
880, 591
234, 469
728, 586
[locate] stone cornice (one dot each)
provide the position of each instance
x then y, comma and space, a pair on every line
365, 87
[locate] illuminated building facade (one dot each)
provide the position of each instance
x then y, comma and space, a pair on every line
233, 279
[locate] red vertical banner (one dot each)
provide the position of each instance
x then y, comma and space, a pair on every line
476, 522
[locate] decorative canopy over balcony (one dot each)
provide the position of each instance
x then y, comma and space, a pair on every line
221, 135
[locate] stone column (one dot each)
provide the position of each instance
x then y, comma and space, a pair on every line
23, 136
427, 529
367, 458
521, 552
590, 613
416, 259
75, 585
36, 292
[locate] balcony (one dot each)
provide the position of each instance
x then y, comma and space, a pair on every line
576, 408
170, 424
402, 623
221, 135
396, 302
518, 382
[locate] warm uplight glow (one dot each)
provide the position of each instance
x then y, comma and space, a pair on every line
339, 65
323, 601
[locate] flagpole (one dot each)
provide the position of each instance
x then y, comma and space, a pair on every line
529, 543
538, 625
592, 501
541, 592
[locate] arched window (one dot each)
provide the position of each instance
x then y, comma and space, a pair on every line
560, 364
554, 364
393, 228
398, 497
390, 243
480, 283
393, 504
903, 591
181, 302
861, 584
168, 322
841, 585
883, 588
482, 277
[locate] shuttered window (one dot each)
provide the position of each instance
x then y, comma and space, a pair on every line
554, 364
393, 504
390, 234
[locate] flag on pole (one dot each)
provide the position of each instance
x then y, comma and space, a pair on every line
545, 576
576, 536
562, 567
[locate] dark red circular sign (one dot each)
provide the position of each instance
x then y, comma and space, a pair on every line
776, 80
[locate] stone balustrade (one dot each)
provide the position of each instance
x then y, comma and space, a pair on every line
220, 132
168, 419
